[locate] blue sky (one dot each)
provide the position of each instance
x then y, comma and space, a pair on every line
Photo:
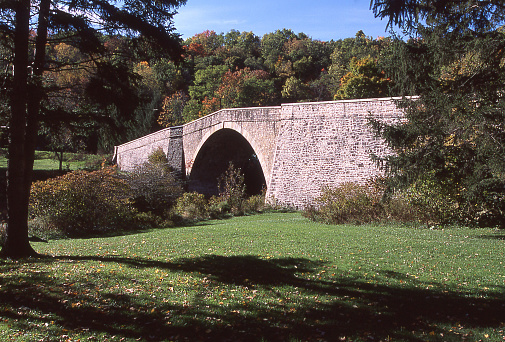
319, 19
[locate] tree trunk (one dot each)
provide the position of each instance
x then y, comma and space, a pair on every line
35, 98
59, 155
16, 244
25, 108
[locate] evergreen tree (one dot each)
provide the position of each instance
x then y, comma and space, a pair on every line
454, 138
85, 20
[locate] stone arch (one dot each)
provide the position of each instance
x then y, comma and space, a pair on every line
212, 156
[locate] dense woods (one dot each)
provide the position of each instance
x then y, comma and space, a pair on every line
226, 70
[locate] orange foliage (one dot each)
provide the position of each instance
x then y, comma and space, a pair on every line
210, 106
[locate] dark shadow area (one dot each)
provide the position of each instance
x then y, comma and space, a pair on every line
221, 148
500, 236
356, 309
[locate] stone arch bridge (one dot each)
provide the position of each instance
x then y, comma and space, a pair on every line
292, 150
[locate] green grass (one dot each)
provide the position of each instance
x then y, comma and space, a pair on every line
270, 277
47, 161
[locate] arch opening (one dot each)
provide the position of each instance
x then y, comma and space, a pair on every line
221, 148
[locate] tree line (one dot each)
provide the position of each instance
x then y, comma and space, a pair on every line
137, 90
240, 69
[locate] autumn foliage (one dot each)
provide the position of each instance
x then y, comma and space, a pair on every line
82, 202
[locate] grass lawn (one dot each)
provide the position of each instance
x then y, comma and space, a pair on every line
48, 161
270, 277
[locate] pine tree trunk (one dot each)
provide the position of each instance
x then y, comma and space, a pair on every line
23, 128
16, 244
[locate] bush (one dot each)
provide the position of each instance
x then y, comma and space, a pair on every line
485, 204
356, 204
153, 186
218, 207
232, 188
254, 204
158, 157
192, 206
94, 162
347, 203
81, 203
428, 203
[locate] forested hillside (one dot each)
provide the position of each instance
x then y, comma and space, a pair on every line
234, 69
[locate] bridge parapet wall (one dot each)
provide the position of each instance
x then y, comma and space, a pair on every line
135, 152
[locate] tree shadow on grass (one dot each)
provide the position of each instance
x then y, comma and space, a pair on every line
493, 237
288, 306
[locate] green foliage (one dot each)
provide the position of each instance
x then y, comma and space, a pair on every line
254, 204
192, 206
453, 137
81, 203
218, 207
158, 157
245, 88
295, 90
84, 203
172, 113
456, 14
364, 79
359, 47
231, 200
206, 82
347, 203
272, 45
238, 69
358, 204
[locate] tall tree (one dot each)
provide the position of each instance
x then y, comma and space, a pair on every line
454, 138
29, 24
364, 79
475, 15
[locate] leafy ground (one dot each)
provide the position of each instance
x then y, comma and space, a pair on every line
270, 277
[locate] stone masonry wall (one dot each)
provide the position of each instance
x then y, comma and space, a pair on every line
135, 152
325, 144
301, 147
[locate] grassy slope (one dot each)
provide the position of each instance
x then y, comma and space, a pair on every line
271, 277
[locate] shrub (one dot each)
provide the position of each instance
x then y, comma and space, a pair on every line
158, 157
485, 203
232, 188
153, 186
94, 162
347, 203
218, 207
428, 203
354, 203
44, 227
254, 204
192, 206
82, 203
